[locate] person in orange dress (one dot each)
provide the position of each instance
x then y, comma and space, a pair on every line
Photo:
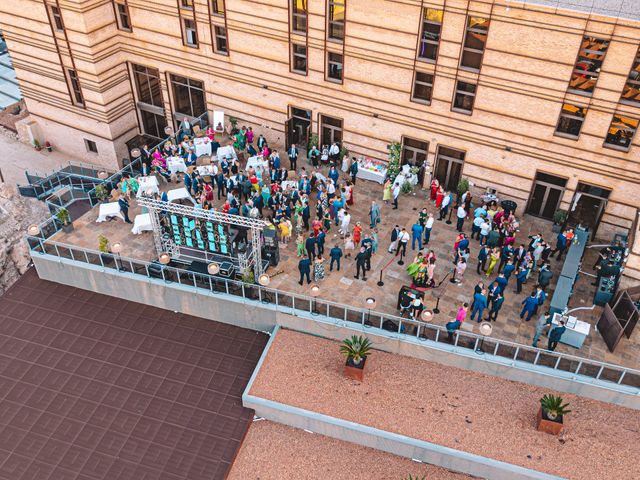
439, 196
434, 188
357, 233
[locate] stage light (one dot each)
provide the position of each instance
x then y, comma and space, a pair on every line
264, 280
102, 174
164, 258
427, 315
315, 290
370, 302
116, 247
213, 268
135, 152
33, 230
168, 131
485, 328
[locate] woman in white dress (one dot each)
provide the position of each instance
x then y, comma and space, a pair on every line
344, 225
345, 164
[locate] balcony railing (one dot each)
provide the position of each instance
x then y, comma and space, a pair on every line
577, 369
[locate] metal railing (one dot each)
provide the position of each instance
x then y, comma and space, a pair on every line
579, 369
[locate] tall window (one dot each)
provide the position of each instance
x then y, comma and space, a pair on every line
217, 7
188, 97
190, 33
336, 9
464, 97
221, 39
449, 165
56, 16
149, 100
74, 86
299, 58
475, 40
330, 130
122, 16
621, 132
571, 120
588, 65
299, 14
422, 87
414, 152
186, 3
334, 66
631, 90
430, 34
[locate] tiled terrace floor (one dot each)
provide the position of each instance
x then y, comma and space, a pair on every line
343, 288
94, 387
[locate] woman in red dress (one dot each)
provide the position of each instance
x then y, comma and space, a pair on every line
434, 188
439, 196
357, 233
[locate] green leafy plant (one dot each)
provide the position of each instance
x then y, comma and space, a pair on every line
406, 187
356, 348
415, 478
344, 151
63, 216
103, 244
395, 152
560, 216
36, 144
234, 123
463, 186
313, 140
249, 277
102, 192
552, 405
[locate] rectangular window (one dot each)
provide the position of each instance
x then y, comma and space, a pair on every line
334, 66
464, 97
430, 35
188, 96
570, 121
621, 132
123, 18
186, 3
299, 58
190, 33
221, 39
91, 146
631, 90
299, 14
588, 65
336, 10
449, 166
147, 81
414, 152
330, 130
56, 16
475, 40
422, 87
217, 7
74, 85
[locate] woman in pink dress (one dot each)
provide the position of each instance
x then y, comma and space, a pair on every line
211, 133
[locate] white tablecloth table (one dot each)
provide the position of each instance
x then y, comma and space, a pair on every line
205, 170
108, 210
402, 178
289, 184
257, 163
175, 165
373, 175
179, 194
142, 223
227, 151
203, 146
147, 185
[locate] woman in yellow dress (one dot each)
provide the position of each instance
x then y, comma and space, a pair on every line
386, 193
493, 260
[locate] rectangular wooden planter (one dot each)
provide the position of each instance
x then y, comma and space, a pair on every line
554, 427
355, 372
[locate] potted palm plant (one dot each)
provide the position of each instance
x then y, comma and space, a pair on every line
356, 349
102, 192
65, 219
551, 414
559, 219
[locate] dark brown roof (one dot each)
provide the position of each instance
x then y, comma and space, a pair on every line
95, 387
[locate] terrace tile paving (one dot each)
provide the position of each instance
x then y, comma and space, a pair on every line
95, 387
460, 409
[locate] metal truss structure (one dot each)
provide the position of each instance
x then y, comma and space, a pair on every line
249, 261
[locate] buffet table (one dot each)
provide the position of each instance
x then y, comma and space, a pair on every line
371, 170
179, 194
142, 223
175, 165
108, 210
576, 333
226, 152
203, 146
257, 163
147, 186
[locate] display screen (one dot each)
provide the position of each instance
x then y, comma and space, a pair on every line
198, 233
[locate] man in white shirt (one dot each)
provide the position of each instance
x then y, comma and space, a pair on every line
485, 228
444, 207
461, 214
475, 228
334, 151
396, 194
427, 228
403, 239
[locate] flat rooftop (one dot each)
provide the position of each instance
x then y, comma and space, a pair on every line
94, 387
451, 407
610, 8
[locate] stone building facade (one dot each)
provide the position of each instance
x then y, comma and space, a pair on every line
539, 103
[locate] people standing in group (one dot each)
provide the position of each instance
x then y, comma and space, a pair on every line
555, 335
562, 244
444, 207
529, 306
479, 304
494, 256
521, 278
496, 305
395, 233
544, 320
483, 255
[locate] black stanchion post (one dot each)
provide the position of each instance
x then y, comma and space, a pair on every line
448, 222
401, 262
380, 282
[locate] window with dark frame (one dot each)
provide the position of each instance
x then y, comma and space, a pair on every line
188, 96
56, 14
217, 7
464, 97
299, 58
621, 132
430, 35
330, 130
588, 65
299, 13
336, 9
631, 90
190, 32
334, 66
124, 20
571, 120
475, 40
414, 152
149, 100
186, 3
221, 39
422, 87
76, 90
91, 146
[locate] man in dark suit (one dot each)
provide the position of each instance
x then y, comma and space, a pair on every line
124, 208
310, 245
361, 260
335, 253
555, 334
293, 156
304, 267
